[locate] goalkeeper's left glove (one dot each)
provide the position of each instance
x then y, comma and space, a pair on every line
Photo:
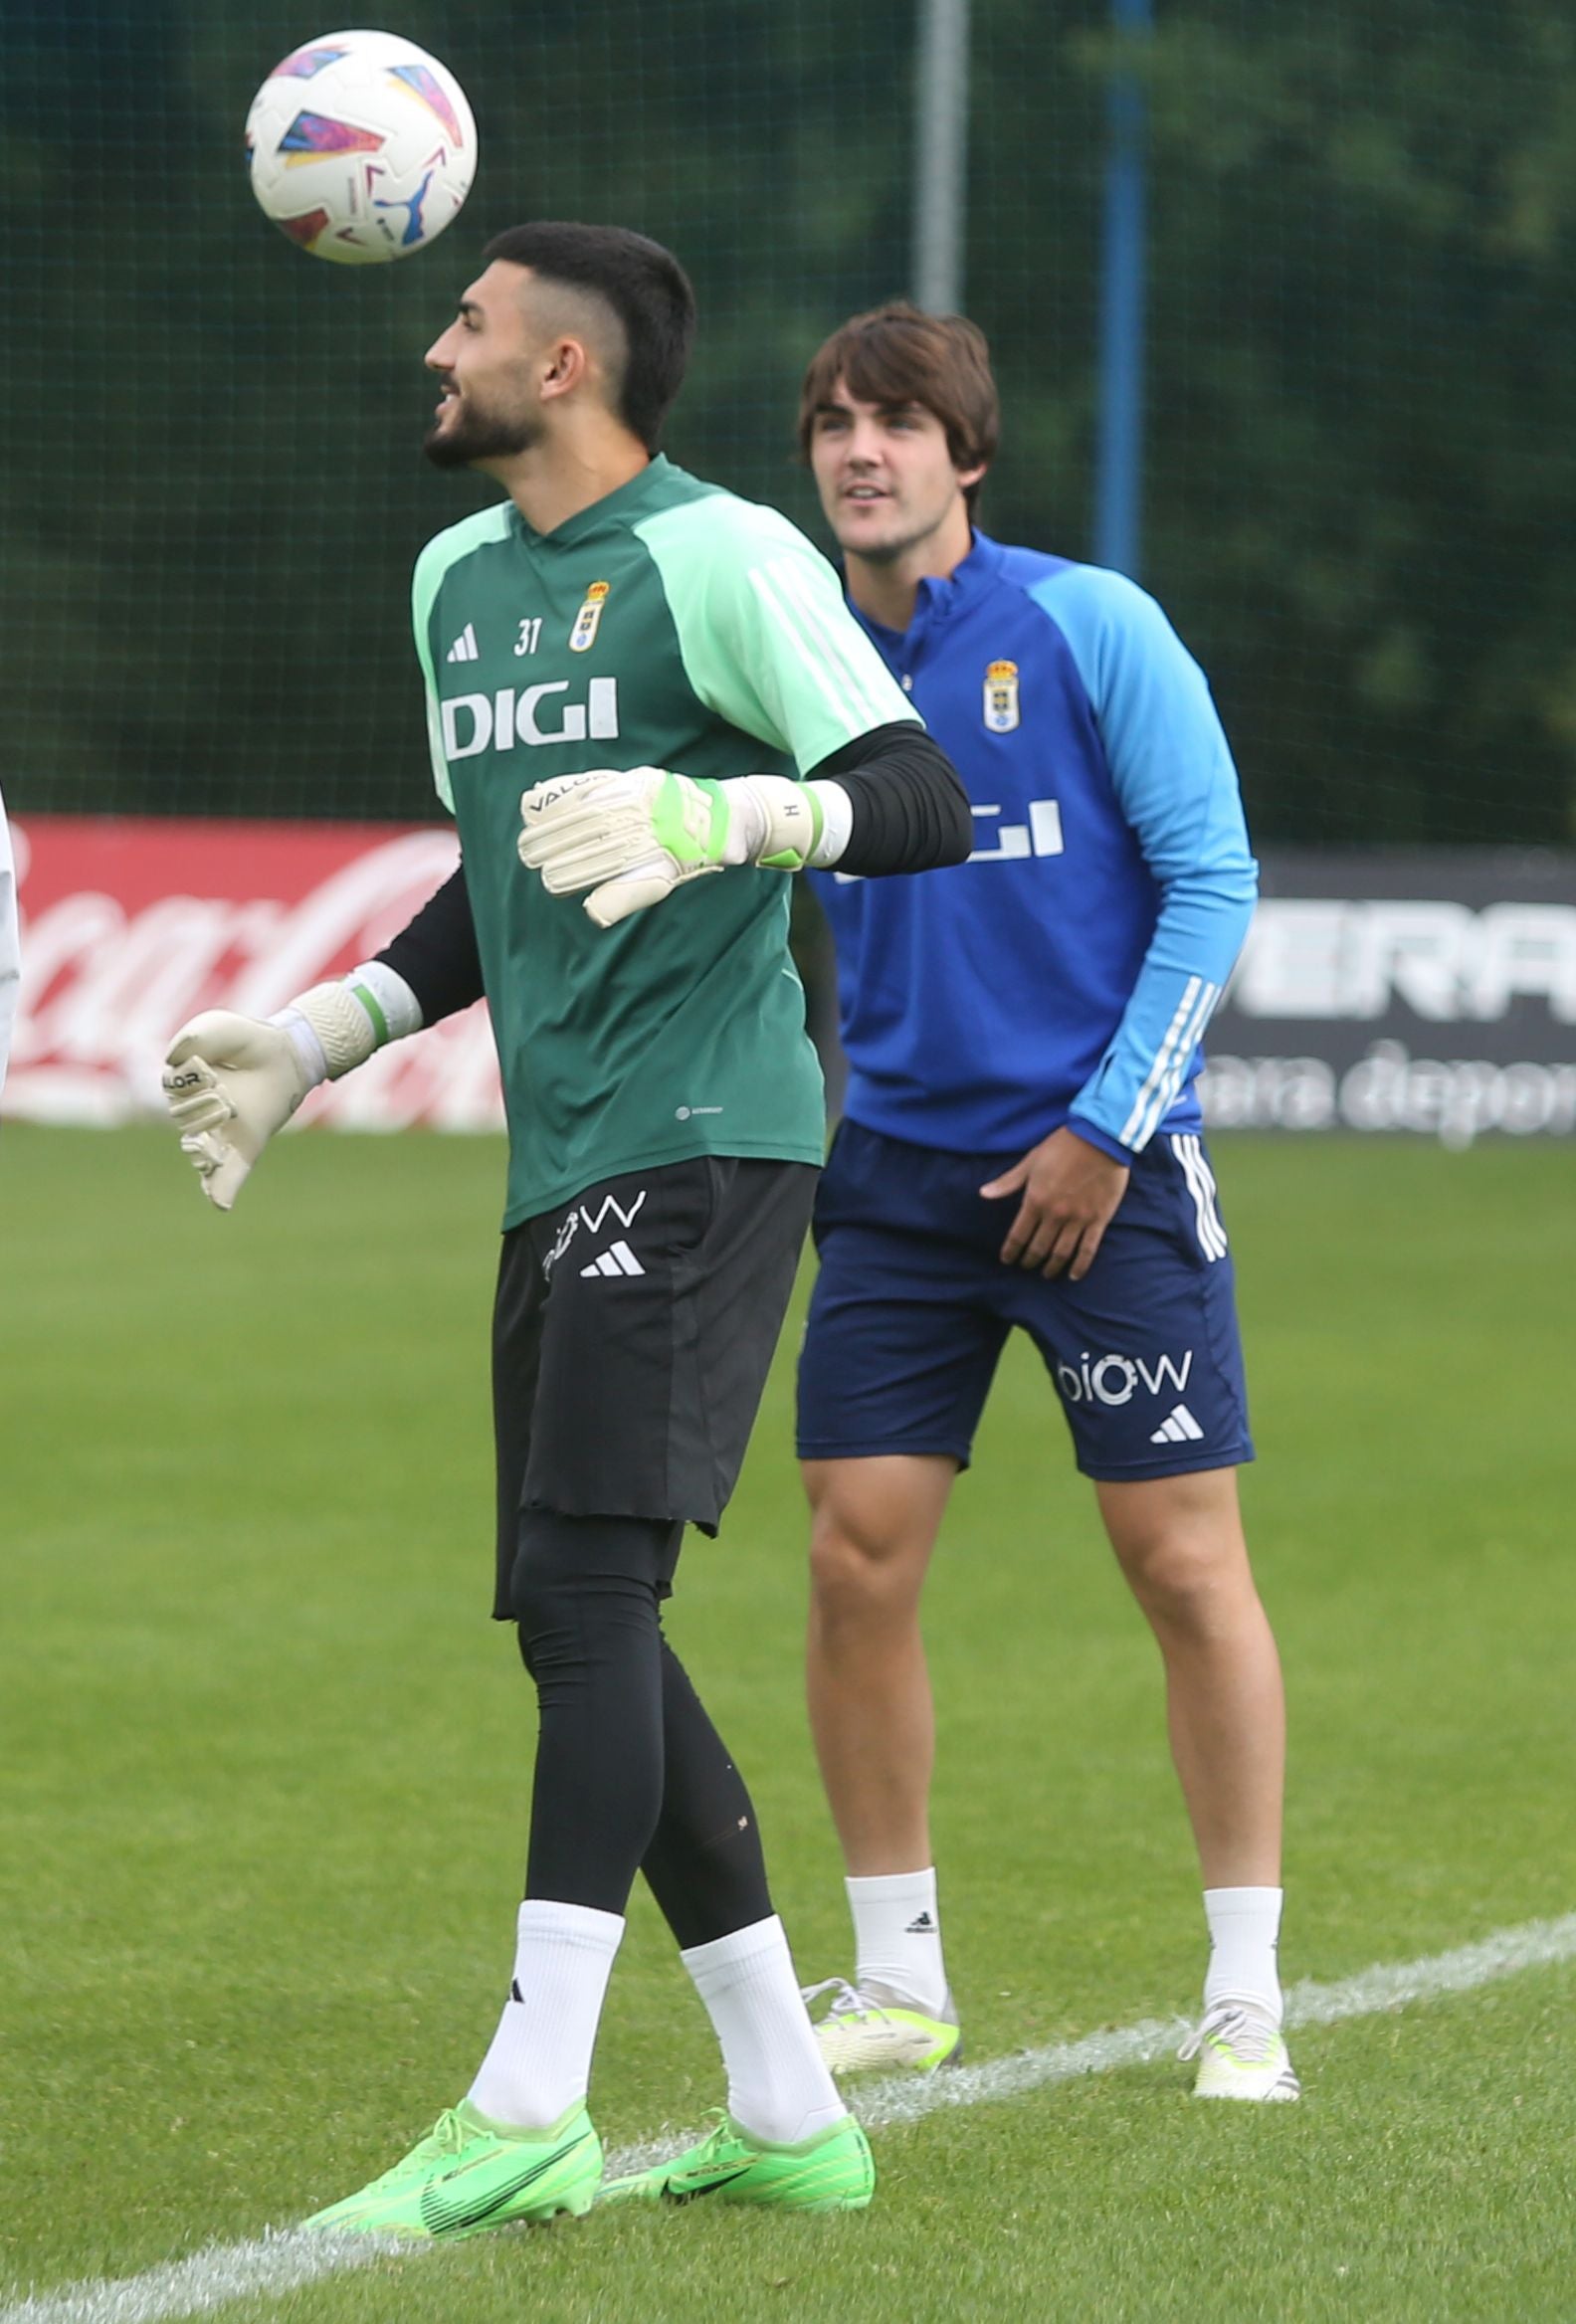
632, 838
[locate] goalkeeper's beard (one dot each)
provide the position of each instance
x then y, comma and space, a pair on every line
479, 434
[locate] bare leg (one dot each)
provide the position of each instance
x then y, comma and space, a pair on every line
1179, 1540
874, 1524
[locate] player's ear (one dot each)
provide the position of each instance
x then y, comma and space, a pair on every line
568, 365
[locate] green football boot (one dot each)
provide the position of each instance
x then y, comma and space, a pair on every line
470, 2175
833, 2170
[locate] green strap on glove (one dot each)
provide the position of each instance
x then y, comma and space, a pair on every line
632, 838
231, 1083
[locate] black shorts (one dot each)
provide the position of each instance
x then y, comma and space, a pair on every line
631, 1334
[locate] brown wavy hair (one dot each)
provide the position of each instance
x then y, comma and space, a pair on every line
898, 354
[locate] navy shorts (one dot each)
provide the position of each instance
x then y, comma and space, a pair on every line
912, 1307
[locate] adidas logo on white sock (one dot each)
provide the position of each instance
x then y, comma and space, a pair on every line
1180, 1428
924, 1926
617, 1259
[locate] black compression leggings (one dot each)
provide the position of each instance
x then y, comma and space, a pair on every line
631, 1774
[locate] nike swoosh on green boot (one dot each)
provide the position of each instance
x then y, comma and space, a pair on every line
834, 2171
469, 2174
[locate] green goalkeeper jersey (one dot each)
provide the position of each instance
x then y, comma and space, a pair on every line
668, 625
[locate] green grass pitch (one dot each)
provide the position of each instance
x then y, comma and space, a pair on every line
263, 1767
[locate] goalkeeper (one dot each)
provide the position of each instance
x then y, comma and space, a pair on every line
624, 670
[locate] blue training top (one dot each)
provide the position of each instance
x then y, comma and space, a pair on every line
1067, 971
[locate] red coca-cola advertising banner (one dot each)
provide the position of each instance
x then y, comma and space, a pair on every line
1425, 993
131, 926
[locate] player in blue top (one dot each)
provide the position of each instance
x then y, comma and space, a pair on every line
1021, 1146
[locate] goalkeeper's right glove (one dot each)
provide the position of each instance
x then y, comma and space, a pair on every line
231, 1082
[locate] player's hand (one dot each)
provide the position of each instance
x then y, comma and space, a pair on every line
230, 1083
1071, 1194
629, 837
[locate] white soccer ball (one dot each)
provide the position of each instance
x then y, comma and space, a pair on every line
361, 147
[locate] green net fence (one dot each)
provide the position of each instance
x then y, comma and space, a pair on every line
1358, 484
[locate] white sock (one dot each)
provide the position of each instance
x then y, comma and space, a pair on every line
898, 1936
539, 2063
778, 2087
1244, 1926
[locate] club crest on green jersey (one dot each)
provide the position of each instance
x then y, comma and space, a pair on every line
583, 635
1001, 697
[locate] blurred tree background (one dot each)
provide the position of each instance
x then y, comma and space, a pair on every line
1360, 457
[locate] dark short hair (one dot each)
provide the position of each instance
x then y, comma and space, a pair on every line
644, 285
898, 354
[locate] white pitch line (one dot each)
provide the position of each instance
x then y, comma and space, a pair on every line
276, 2263
283, 2261
1534, 1945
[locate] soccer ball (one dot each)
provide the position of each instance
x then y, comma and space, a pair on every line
360, 146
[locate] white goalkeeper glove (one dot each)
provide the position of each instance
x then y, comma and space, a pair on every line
231, 1082
632, 838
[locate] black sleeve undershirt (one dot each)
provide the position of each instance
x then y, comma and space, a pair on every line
911, 810
436, 952
910, 814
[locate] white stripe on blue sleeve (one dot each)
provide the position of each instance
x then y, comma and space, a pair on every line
1176, 787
